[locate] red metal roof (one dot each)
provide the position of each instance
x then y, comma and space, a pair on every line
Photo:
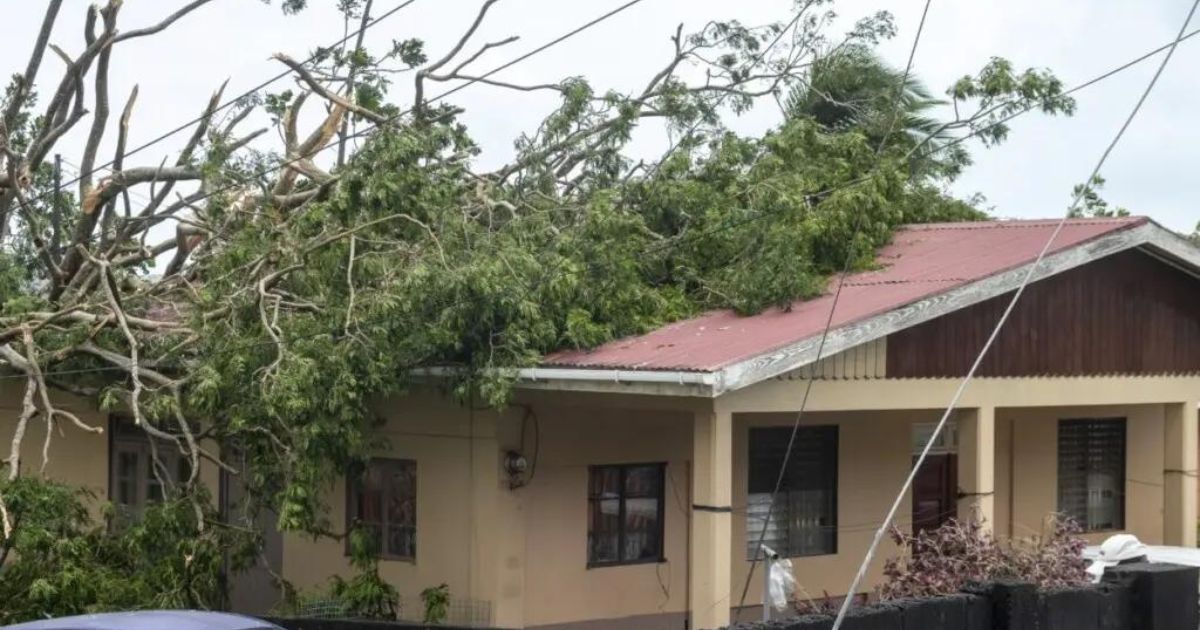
921, 261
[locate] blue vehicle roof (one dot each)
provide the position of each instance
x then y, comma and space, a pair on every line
149, 620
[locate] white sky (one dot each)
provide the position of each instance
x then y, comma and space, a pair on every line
1031, 175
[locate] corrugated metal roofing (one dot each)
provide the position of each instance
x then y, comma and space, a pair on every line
922, 261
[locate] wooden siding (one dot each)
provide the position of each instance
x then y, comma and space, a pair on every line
868, 360
1128, 313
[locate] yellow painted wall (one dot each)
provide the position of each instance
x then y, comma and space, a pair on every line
458, 479
1023, 506
75, 456
523, 551
874, 455
559, 585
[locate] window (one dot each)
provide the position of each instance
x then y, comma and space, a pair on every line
625, 514
132, 482
804, 519
383, 501
1091, 472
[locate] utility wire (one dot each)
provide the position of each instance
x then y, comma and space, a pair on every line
233, 101
702, 233
841, 281
576, 31
891, 514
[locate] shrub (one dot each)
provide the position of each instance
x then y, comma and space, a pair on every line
59, 562
437, 603
942, 561
365, 595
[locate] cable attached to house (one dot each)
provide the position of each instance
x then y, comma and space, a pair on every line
891, 515
839, 284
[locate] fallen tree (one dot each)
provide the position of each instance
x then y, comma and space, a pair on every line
254, 298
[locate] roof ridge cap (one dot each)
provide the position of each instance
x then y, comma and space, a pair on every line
1021, 223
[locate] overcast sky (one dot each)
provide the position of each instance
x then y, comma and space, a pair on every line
1153, 171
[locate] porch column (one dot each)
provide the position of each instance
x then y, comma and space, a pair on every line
709, 581
977, 467
1179, 474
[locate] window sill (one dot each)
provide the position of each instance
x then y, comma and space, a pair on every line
626, 563
1110, 532
802, 557
406, 560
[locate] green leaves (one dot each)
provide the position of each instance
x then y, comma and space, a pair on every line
998, 92
61, 563
1087, 202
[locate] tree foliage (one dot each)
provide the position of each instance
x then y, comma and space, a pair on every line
264, 296
1087, 202
61, 561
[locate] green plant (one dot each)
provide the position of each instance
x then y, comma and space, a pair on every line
437, 603
365, 595
58, 562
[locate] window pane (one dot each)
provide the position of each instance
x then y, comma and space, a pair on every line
373, 533
154, 489
383, 502
401, 541
401, 509
804, 519
183, 469
643, 481
811, 525
127, 473
604, 530
1091, 472
641, 530
369, 507
604, 482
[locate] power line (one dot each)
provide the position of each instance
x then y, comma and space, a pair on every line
590, 24
841, 281
254, 90
667, 243
891, 514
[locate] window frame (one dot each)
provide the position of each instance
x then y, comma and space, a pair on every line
833, 473
353, 485
125, 437
1122, 519
623, 469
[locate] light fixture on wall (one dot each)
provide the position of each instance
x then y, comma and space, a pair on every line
516, 465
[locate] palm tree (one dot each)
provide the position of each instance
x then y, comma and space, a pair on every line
852, 89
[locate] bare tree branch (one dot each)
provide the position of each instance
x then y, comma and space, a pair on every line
166, 22
27, 79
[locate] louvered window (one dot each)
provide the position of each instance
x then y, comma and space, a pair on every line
1091, 472
804, 519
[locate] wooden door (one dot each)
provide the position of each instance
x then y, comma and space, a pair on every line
935, 492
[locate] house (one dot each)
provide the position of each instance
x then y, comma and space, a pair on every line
631, 482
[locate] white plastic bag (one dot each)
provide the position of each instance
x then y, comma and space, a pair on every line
1114, 551
782, 582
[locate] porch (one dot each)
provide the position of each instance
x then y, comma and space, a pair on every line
1118, 455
